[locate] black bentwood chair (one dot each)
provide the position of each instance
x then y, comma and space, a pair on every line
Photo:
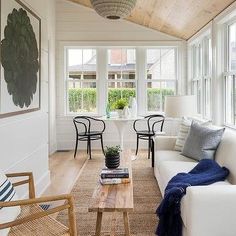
147, 128
88, 129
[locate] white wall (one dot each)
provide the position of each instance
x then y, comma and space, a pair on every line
24, 138
78, 25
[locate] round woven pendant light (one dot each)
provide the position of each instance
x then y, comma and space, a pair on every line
113, 9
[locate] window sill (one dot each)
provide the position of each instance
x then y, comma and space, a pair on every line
232, 127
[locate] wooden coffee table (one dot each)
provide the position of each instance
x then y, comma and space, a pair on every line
114, 198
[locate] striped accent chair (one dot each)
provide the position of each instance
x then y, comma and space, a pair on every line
7, 193
26, 217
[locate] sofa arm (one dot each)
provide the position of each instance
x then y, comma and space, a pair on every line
164, 142
211, 210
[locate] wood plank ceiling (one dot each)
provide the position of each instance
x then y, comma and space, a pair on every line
179, 18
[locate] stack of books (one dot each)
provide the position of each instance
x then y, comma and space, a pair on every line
115, 176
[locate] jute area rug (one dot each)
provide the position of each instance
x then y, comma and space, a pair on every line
143, 220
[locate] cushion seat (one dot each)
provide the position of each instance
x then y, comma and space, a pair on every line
91, 133
146, 132
169, 169
42, 226
167, 155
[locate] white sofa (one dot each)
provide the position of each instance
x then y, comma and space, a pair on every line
205, 210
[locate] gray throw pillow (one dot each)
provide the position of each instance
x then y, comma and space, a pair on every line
202, 142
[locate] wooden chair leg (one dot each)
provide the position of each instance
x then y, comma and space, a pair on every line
149, 147
102, 145
72, 219
137, 144
87, 147
89, 140
76, 146
153, 153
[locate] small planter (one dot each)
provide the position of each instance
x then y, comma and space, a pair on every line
112, 162
112, 157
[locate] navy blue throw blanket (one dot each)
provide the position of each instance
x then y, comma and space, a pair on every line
204, 173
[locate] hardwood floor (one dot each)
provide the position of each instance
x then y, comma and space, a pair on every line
64, 171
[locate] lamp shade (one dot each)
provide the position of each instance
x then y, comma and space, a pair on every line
179, 106
113, 9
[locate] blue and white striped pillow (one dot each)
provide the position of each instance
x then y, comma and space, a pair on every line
7, 193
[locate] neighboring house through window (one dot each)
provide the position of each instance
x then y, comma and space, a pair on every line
121, 74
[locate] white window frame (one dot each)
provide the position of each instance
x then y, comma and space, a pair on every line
227, 74
161, 80
199, 75
101, 47
67, 80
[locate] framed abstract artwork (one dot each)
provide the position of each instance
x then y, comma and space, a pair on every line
20, 56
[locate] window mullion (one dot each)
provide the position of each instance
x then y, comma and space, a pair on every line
233, 100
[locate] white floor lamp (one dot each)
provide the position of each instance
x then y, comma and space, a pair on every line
180, 105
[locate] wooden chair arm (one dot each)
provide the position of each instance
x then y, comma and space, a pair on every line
68, 205
29, 181
20, 174
25, 202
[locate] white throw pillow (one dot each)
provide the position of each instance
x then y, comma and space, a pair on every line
7, 193
182, 134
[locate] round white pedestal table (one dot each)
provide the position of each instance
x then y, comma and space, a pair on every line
121, 124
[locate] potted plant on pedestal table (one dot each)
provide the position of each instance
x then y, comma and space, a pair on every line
119, 106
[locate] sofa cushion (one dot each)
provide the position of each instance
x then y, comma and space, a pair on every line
184, 207
166, 155
169, 169
7, 193
202, 142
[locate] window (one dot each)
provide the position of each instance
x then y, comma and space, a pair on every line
196, 74
201, 64
207, 77
121, 74
81, 82
161, 77
97, 76
229, 76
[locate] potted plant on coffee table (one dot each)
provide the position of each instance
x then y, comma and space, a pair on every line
120, 105
112, 157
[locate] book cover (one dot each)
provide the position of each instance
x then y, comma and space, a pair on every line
115, 181
116, 173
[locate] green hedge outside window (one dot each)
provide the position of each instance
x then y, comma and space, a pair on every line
84, 100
